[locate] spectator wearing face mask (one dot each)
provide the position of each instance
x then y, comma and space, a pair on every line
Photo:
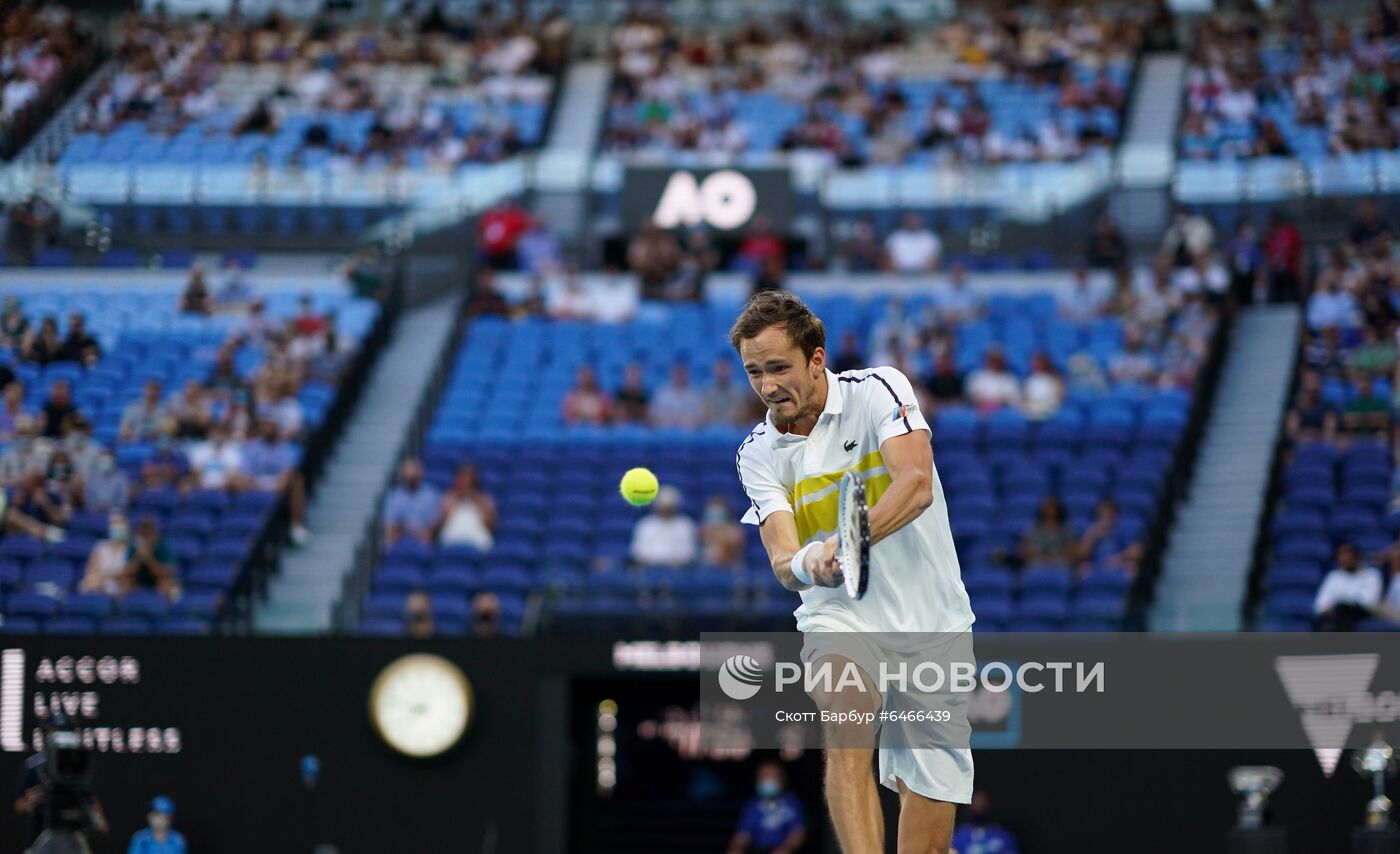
486, 611
27, 454
418, 616
107, 488
980, 834
150, 564
413, 509
158, 837
773, 820
77, 443
106, 562
721, 538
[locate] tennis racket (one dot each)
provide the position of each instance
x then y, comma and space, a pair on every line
853, 534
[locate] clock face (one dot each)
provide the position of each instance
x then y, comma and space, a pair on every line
421, 705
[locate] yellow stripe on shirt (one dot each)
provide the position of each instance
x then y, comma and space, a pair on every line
816, 498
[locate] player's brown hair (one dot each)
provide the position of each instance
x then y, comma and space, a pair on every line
779, 308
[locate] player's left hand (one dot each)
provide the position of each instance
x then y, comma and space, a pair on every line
827, 572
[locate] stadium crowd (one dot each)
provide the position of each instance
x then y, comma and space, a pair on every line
1338, 511
103, 495
39, 44
1021, 84
1291, 83
420, 90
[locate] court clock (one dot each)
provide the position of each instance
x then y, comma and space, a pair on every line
421, 705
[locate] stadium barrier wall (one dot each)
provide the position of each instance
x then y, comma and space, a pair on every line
221, 726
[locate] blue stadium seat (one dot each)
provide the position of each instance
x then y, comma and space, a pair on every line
214, 575
1290, 604
381, 627
124, 626
34, 605
69, 626
89, 605
1046, 580
143, 603
183, 626
204, 605
385, 605
399, 578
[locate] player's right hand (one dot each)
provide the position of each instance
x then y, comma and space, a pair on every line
822, 565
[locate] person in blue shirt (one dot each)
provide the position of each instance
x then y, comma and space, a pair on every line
773, 821
979, 835
158, 837
413, 508
270, 463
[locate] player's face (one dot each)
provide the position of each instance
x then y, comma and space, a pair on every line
782, 376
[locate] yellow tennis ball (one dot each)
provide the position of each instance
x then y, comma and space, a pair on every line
638, 487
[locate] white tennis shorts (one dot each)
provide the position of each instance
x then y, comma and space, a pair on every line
940, 773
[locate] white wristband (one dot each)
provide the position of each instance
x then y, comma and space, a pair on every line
799, 561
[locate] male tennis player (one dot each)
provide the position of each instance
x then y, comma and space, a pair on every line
819, 426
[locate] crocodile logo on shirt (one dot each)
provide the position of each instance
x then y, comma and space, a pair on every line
849, 445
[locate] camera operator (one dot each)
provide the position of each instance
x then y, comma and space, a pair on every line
55, 793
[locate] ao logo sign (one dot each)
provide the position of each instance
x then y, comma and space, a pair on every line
725, 199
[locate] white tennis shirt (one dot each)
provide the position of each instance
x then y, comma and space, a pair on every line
915, 583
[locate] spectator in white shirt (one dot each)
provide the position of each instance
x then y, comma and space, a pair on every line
665, 537
1188, 236
1331, 306
1348, 593
1237, 104
284, 410
678, 403
217, 462
1082, 303
1203, 276
992, 386
567, 299
913, 248
1044, 390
